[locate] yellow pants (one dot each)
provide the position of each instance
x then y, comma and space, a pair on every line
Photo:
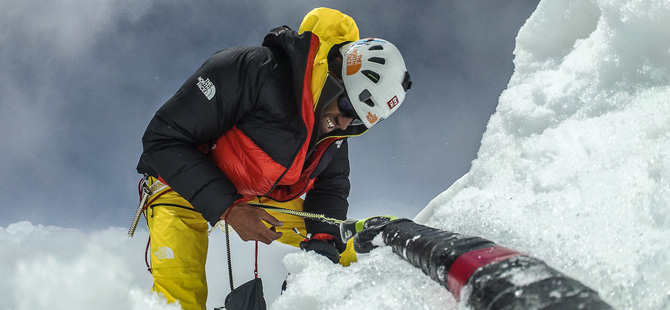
179, 245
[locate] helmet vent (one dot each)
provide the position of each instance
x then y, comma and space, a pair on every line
376, 48
373, 76
378, 60
366, 96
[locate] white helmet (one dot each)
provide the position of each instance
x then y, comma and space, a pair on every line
375, 78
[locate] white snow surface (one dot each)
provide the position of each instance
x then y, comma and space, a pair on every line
574, 169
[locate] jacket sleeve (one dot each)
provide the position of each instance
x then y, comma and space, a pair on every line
330, 193
220, 93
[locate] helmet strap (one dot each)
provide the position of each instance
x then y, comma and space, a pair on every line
335, 61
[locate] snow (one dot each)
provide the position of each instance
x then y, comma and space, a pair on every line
574, 166
574, 169
382, 280
57, 268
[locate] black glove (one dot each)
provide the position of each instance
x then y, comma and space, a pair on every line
322, 244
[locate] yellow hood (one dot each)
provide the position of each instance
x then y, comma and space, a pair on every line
332, 27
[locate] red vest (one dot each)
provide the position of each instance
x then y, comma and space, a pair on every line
254, 173
305, 182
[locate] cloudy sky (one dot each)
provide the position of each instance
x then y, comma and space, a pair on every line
80, 80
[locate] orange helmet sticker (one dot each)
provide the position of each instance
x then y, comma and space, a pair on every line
372, 118
353, 62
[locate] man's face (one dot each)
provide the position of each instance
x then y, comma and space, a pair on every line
333, 119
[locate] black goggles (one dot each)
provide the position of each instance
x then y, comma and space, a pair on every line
347, 109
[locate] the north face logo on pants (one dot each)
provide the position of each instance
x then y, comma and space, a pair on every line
164, 253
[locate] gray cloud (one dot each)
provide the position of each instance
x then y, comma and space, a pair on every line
79, 82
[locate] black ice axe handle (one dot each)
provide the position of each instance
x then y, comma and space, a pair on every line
363, 239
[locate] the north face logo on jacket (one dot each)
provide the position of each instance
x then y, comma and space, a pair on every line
206, 87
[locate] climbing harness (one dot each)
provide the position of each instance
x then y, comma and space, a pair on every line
145, 192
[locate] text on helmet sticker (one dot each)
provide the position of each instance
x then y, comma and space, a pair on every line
393, 102
353, 62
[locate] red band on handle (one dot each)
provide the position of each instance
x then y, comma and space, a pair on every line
465, 265
323, 237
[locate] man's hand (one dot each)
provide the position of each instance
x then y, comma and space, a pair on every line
323, 244
246, 220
